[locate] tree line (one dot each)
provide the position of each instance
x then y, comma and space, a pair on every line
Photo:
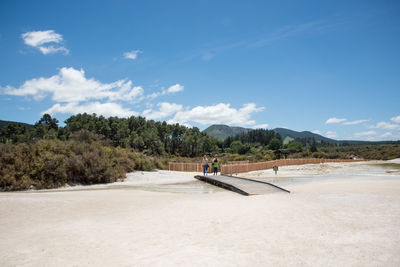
246, 142
147, 136
136, 133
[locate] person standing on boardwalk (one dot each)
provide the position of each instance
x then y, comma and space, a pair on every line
215, 164
204, 163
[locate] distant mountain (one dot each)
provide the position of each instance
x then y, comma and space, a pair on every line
289, 135
221, 132
5, 123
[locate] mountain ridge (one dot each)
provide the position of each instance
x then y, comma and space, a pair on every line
5, 123
221, 132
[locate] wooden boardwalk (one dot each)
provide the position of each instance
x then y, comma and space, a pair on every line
240, 185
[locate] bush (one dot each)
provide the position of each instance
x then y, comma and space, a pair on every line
160, 163
319, 155
53, 163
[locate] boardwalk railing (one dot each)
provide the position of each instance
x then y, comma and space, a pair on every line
238, 162
241, 167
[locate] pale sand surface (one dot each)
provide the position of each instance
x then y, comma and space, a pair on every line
337, 220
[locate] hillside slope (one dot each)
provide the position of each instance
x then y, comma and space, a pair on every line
221, 132
288, 134
5, 123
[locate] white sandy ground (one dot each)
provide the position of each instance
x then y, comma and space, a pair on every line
345, 221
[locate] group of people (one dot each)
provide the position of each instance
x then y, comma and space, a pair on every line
214, 162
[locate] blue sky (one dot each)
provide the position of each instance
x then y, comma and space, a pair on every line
332, 67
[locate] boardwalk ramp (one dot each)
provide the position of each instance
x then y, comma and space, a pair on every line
240, 185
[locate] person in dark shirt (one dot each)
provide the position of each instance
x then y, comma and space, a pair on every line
215, 163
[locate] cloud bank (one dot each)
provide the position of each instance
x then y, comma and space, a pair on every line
386, 126
218, 114
396, 119
165, 110
74, 93
71, 85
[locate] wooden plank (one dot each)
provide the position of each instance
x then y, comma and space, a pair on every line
240, 185
222, 184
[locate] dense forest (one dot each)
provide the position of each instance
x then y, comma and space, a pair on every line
140, 135
136, 133
244, 142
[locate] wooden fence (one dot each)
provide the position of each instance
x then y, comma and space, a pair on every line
241, 167
238, 162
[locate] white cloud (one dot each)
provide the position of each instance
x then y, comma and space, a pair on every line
354, 122
71, 85
165, 110
51, 49
74, 93
171, 90
317, 132
367, 133
386, 125
132, 54
331, 134
260, 126
396, 119
175, 88
334, 120
41, 39
220, 113
105, 109
387, 134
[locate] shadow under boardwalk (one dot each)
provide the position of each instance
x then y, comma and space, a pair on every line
240, 185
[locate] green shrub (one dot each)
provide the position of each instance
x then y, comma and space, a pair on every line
54, 163
319, 155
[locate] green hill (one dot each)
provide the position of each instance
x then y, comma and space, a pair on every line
221, 132
5, 123
289, 135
